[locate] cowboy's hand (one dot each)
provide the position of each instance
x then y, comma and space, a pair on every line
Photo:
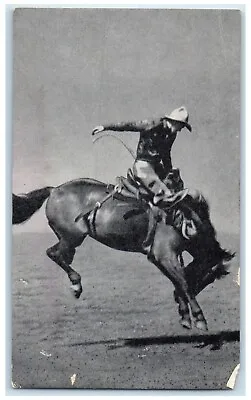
97, 130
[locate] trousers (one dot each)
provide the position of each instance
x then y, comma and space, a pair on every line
145, 173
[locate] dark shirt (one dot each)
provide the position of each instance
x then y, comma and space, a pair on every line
155, 140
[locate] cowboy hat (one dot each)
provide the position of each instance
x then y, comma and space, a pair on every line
180, 115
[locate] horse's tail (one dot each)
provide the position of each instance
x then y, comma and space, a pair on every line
25, 205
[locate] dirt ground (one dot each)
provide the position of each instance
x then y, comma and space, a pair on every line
124, 332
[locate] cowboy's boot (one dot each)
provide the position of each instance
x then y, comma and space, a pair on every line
170, 200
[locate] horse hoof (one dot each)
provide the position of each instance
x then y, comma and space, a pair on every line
77, 290
77, 294
185, 323
202, 325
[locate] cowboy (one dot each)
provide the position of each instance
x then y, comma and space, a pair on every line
153, 160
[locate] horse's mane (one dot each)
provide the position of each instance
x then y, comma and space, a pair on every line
207, 232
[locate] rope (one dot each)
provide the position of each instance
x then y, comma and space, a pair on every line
120, 140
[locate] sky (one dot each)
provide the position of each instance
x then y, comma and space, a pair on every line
74, 69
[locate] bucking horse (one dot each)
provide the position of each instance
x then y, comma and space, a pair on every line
122, 217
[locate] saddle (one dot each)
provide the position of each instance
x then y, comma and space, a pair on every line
130, 187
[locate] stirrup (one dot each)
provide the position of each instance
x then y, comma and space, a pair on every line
181, 195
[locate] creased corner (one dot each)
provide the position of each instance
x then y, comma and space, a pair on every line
73, 379
15, 385
232, 380
238, 280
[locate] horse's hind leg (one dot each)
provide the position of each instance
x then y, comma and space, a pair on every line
62, 254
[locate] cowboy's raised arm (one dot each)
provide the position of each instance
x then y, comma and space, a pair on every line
138, 126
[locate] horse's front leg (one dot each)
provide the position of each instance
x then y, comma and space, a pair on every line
166, 259
183, 309
185, 319
171, 268
198, 276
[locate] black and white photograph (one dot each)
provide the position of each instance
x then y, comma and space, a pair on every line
126, 132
